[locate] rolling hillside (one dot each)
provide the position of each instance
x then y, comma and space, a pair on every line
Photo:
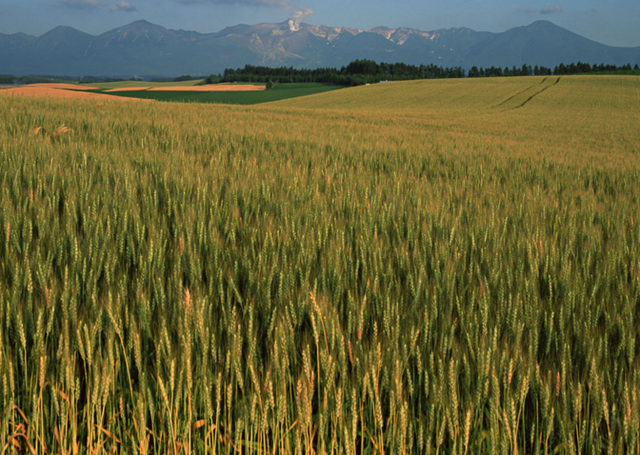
513, 115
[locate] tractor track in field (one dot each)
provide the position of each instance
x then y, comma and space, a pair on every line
521, 92
538, 93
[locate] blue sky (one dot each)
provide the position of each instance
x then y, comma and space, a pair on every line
611, 22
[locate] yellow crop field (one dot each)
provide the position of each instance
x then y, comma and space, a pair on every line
445, 266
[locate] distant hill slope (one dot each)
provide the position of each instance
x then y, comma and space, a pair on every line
142, 48
432, 95
450, 97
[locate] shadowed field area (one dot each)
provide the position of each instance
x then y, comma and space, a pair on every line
143, 84
243, 94
198, 88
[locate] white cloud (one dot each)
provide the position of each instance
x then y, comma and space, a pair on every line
122, 5
553, 9
300, 14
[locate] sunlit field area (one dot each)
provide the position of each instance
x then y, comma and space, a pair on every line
444, 267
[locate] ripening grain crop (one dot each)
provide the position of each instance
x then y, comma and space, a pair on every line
422, 267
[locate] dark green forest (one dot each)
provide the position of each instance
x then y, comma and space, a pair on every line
364, 71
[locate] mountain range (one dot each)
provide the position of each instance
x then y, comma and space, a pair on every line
145, 49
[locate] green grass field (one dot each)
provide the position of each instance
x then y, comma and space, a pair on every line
421, 267
130, 84
279, 92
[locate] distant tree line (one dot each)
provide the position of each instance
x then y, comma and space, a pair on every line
559, 70
8, 79
366, 71
357, 72
184, 78
95, 80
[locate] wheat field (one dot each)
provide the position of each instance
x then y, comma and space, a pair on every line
445, 267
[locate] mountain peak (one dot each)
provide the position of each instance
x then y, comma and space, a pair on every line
141, 24
542, 25
63, 29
